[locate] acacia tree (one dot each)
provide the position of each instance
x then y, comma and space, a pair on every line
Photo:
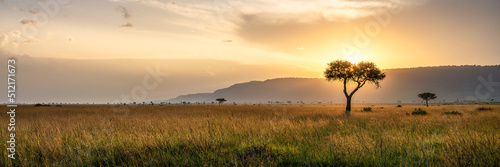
427, 96
359, 74
221, 100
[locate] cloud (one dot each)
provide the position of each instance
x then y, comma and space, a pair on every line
224, 15
207, 16
331, 10
34, 10
3, 40
209, 73
318, 25
9, 42
292, 36
409, 33
16, 33
186, 9
126, 13
28, 21
128, 25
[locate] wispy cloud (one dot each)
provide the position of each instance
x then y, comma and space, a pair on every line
128, 25
9, 42
224, 15
332, 10
293, 25
126, 14
201, 15
124, 11
34, 10
28, 21
3, 40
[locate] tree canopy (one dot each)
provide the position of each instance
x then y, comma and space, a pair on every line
360, 74
427, 96
220, 100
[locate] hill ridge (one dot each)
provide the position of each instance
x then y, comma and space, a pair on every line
458, 83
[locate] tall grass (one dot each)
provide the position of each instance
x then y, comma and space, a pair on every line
252, 136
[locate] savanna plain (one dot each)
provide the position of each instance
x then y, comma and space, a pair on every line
277, 135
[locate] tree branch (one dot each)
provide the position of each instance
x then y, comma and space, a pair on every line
363, 84
345, 87
357, 88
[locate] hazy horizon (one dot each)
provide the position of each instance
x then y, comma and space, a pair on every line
98, 51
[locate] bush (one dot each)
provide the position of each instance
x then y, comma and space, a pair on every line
367, 109
484, 109
399, 106
452, 113
41, 105
419, 112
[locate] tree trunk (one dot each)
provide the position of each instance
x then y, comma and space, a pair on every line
427, 103
348, 107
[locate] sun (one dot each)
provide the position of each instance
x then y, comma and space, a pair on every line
354, 58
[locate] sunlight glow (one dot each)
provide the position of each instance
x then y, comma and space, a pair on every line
354, 58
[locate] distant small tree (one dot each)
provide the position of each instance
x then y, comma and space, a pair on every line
221, 100
427, 96
347, 72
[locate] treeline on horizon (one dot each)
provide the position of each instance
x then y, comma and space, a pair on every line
497, 65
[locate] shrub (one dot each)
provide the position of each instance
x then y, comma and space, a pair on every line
484, 109
399, 106
367, 109
452, 113
419, 112
41, 105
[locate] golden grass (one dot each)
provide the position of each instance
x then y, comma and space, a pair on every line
252, 136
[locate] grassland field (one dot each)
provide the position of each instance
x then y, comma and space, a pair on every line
88, 135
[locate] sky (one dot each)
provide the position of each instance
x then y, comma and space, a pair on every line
101, 50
